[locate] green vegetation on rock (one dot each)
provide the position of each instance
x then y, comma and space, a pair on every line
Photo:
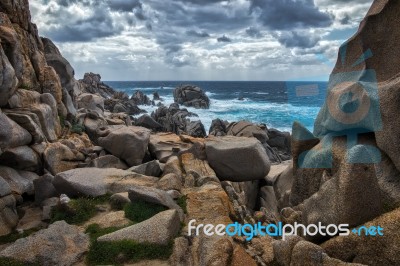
140, 211
79, 210
12, 262
181, 201
120, 252
15, 236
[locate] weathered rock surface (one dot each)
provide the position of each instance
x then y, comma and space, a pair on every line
91, 83
159, 229
44, 106
11, 134
208, 204
139, 98
218, 128
164, 145
345, 194
91, 102
8, 80
369, 250
126, 143
59, 158
192, 96
247, 129
65, 72
8, 211
20, 181
237, 159
96, 182
153, 168
21, 158
148, 122
60, 244
152, 195
176, 120
108, 161
44, 188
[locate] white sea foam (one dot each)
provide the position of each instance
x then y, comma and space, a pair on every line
272, 114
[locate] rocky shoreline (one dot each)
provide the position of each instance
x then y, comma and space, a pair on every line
82, 181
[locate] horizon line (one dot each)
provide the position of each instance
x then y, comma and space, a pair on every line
215, 81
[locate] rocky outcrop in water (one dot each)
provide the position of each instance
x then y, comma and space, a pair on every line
176, 120
191, 96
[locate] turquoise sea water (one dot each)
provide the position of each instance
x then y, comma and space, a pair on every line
277, 104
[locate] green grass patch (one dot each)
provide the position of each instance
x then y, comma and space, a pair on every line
12, 262
80, 210
140, 211
181, 201
125, 251
78, 129
95, 231
120, 252
15, 236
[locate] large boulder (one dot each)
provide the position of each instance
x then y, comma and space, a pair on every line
20, 182
208, 204
237, 159
218, 128
152, 195
59, 158
91, 83
176, 120
127, 143
8, 213
160, 230
139, 98
11, 134
62, 67
165, 145
345, 194
108, 161
91, 102
21, 158
247, 129
60, 244
191, 96
97, 182
43, 106
21, 44
148, 122
29, 121
196, 129
153, 168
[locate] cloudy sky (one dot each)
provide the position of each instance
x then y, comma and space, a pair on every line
200, 39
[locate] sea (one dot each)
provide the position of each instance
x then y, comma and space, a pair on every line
276, 104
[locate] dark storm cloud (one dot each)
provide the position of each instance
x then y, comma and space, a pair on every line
69, 27
100, 25
124, 5
290, 14
253, 32
292, 39
202, 2
224, 39
199, 34
210, 18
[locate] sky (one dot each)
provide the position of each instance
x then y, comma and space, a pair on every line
200, 39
